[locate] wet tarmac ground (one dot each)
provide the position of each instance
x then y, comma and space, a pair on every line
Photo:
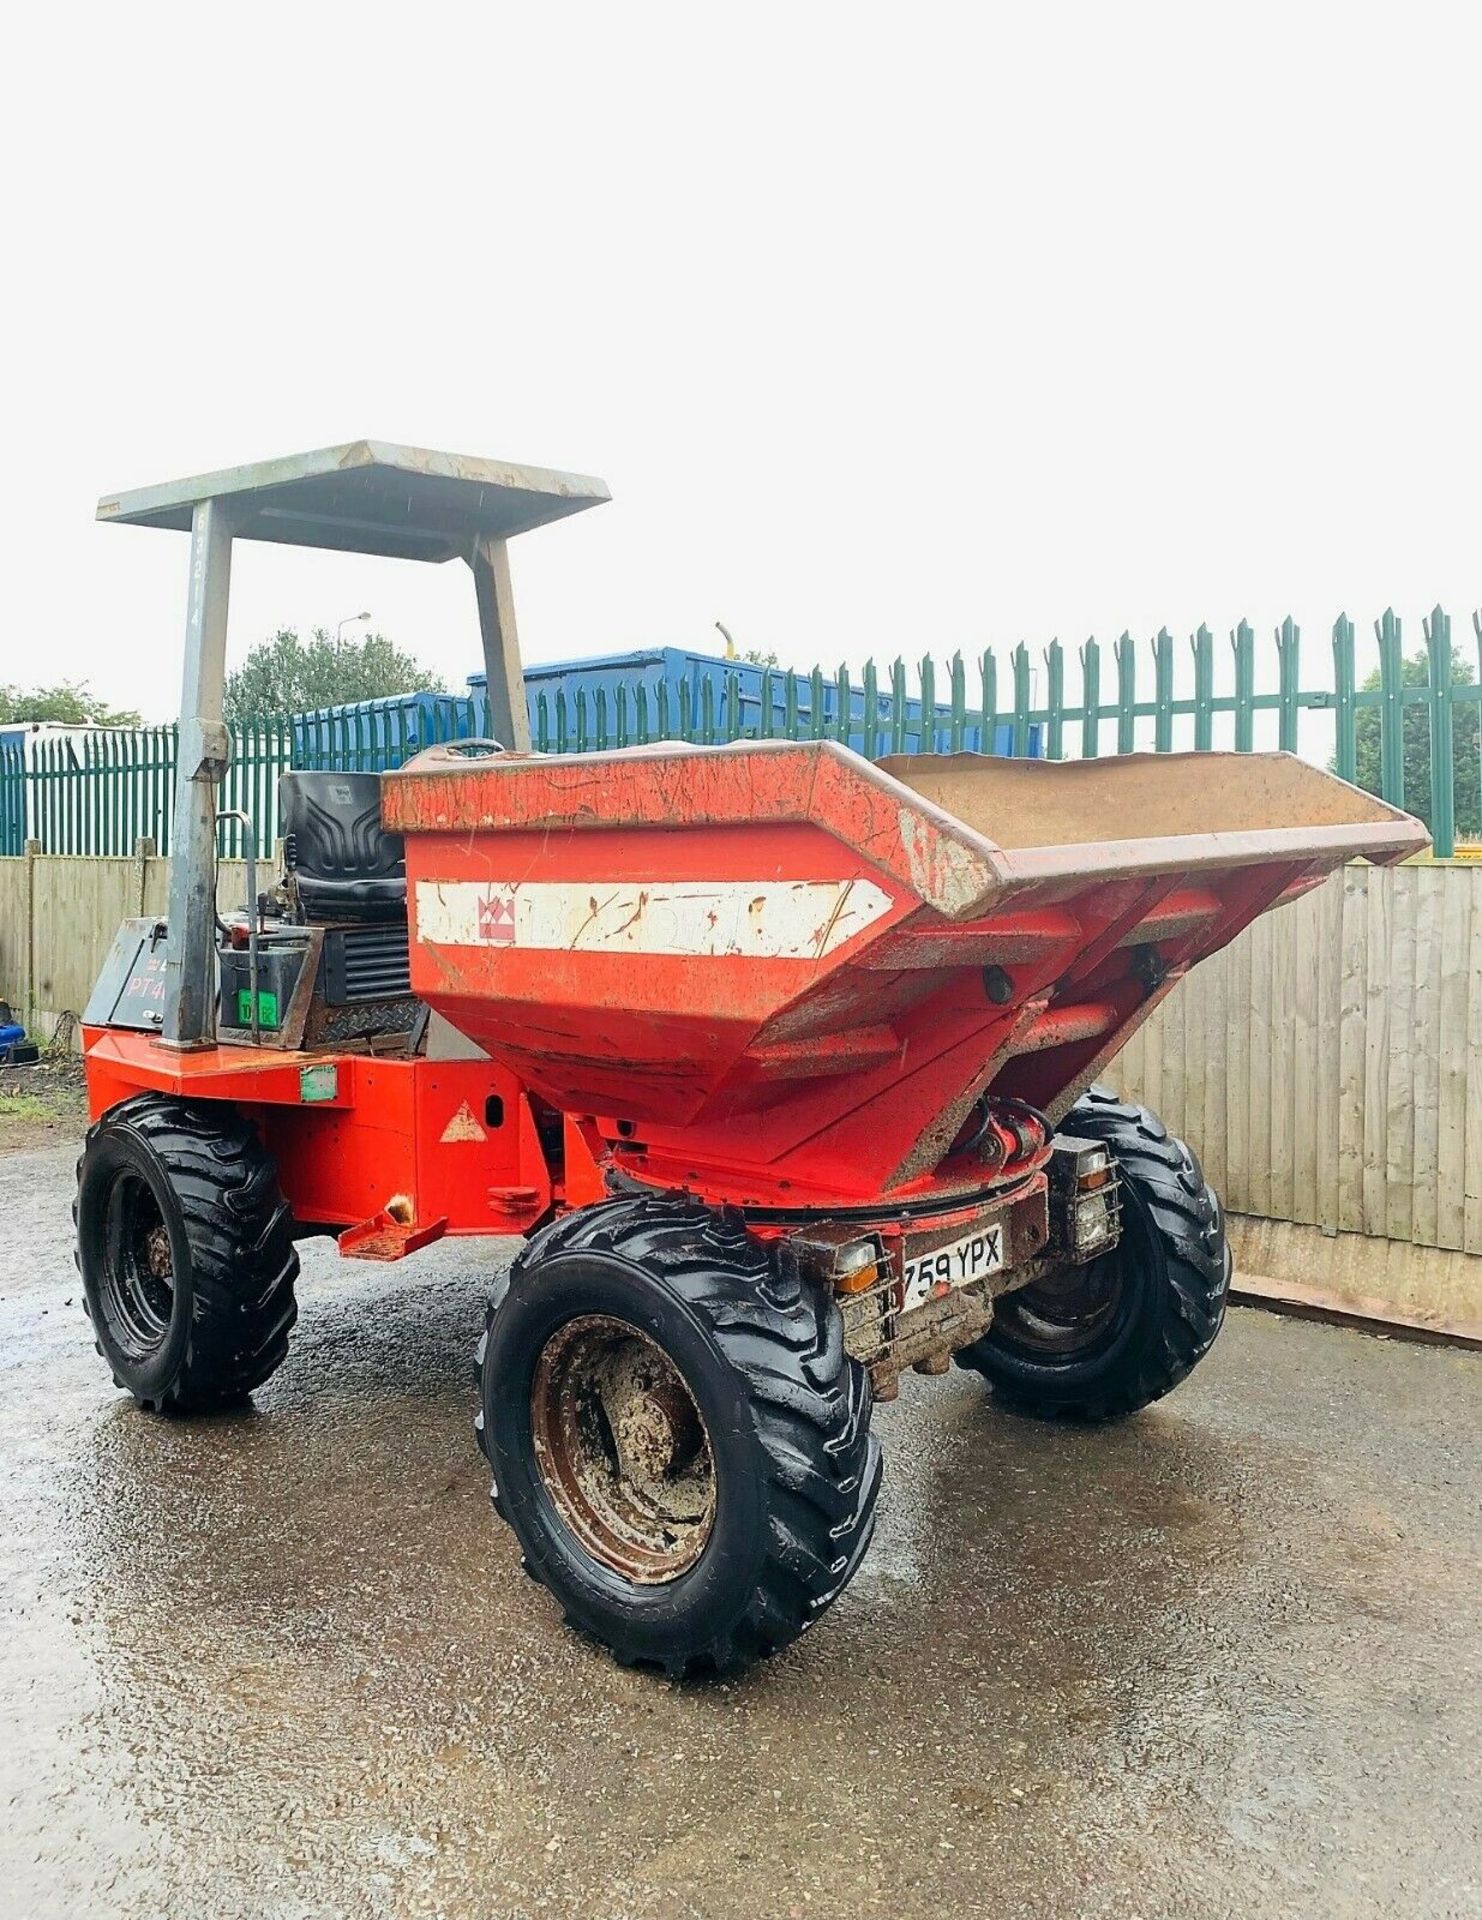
1224, 1659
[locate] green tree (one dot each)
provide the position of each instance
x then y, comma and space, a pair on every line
69, 704
1415, 729
289, 675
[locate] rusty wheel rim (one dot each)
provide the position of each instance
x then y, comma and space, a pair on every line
622, 1449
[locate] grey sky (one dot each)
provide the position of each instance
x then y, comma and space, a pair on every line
889, 329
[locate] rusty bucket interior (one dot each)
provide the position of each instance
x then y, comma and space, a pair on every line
1135, 796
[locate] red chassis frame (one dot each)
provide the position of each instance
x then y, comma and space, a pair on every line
392, 1151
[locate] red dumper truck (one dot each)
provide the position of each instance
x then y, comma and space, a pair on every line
780, 1061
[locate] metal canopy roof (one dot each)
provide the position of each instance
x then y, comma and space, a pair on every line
368, 497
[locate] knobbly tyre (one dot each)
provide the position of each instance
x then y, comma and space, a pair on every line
780, 1060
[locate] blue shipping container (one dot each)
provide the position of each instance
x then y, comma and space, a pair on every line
376, 734
369, 736
677, 668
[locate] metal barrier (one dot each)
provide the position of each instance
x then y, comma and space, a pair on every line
1414, 740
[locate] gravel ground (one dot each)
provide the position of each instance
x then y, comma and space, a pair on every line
1221, 1660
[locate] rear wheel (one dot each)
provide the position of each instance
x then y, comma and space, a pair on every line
678, 1438
185, 1247
1097, 1341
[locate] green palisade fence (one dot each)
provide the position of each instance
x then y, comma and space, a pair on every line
101, 793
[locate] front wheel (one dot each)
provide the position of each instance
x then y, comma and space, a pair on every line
185, 1246
1098, 1341
678, 1438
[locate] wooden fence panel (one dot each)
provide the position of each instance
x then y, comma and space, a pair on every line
77, 904
1457, 935
15, 934
1328, 1066
75, 907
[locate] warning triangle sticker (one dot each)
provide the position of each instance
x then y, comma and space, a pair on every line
462, 1126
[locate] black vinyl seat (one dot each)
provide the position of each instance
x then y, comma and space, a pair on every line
344, 864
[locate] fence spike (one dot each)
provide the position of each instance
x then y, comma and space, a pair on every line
1389, 632
871, 710
957, 684
898, 705
1439, 676
1019, 661
1243, 642
1288, 644
988, 705
1125, 654
1055, 700
1201, 642
926, 726
1163, 691
1090, 698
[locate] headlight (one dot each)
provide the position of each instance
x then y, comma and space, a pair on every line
1093, 1220
850, 1263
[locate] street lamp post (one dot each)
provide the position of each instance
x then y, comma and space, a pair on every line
350, 620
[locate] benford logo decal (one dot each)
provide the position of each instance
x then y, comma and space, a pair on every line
760, 919
497, 918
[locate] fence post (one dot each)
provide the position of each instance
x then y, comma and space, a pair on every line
1126, 657
1020, 664
1055, 700
871, 709
1443, 786
1243, 640
959, 702
988, 704
32, 852
1202, 644
144, 851
1090, 698
1288, 642
1163, 691
1391, 709
1345, 757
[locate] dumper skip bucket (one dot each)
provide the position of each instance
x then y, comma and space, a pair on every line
778, 974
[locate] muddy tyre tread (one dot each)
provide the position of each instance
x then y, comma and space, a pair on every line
1182, 1214
810, 1406
240, 1232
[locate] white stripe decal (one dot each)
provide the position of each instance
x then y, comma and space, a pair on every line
760, 919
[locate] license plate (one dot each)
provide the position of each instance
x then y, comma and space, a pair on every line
929, 1275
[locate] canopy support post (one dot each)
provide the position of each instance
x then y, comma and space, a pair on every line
504, 674
204, 749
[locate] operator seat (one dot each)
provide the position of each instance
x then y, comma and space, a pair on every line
344, 864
